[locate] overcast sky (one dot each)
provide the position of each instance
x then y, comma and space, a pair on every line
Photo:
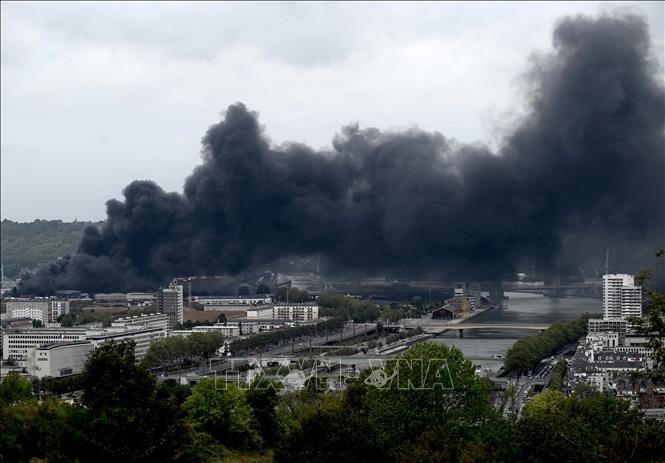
97, 95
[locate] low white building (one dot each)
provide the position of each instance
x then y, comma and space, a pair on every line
46, 311
296, 311
599, 340
142, 338
233, 300
242, 328
153, 320
260, 313
16, 344
58, 360
140, 298
299, 312
111, 298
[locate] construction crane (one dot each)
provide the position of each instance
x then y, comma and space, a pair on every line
464, 313
236, 281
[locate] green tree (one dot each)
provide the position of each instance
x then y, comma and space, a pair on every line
329, 428
598, 428
527, 352
129, 421
222, 411
26, 245
49, 431
291, 295
262, 398
428, 398
15, 388
652, 325
67, 320
431, 385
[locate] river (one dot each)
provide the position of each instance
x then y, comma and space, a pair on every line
480, 345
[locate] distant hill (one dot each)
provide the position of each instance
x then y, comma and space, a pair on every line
30, 244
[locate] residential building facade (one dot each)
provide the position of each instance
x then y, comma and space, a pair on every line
170, 302
621, 298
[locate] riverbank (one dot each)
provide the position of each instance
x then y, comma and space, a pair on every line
478, 345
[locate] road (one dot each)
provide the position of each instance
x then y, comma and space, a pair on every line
220, 364
526, 386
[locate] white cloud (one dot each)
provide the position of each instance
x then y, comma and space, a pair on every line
97, 94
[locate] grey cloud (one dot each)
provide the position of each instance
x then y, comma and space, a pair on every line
587, 159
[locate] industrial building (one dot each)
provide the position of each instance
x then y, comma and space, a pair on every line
446, 312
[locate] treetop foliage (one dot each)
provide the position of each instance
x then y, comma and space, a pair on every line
26, 245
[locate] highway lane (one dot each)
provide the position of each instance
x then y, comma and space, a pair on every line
290, 349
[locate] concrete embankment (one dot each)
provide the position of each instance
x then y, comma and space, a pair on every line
404, 344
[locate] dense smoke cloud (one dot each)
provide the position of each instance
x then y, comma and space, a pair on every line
587, 159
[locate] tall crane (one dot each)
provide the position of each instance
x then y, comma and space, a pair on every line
236, 281
464, 313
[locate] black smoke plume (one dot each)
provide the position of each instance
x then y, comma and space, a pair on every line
585, 164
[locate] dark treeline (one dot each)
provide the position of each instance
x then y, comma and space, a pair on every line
26, 245
405, 417
284, 335
527, 352
176, 348
348, 308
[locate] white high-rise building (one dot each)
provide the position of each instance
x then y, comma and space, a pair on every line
170, 302
621, 298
